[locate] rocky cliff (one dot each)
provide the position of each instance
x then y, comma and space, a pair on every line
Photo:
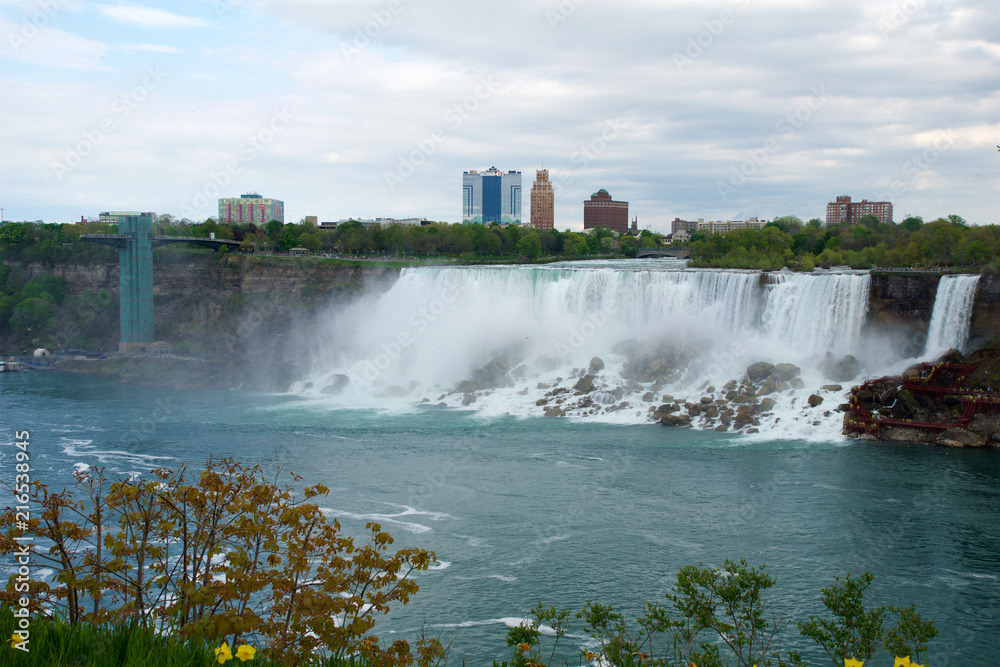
244, 274
901, 304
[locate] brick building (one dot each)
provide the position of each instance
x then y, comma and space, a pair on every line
602, 211
844, 210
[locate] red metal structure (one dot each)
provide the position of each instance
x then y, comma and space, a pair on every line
930, 381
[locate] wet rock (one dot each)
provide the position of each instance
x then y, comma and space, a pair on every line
468, 399
785, 372
985, 426
596, 365
729, 385
956, 437
667, 398
711, 413
675, 420
909, 400
814, 400
648, 397
554, 411
769, 386
338, 385
722, 427
706, 400
844, 370
659, 365
467, 386
781, 386
797, 383
542, 401
759, 371
831, 387
710, 389
952, 357
767, 404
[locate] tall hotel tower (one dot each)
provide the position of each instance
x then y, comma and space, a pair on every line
542, 202
491, 196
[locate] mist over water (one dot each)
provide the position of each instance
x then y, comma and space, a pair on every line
435, 328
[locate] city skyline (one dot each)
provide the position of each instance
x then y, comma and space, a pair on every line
683, 109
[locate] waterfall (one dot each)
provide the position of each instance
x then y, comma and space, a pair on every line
949, 327
499, 340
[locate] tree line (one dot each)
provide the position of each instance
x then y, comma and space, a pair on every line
788, 242
55, 243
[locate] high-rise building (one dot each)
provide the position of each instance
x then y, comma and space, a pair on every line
542, 202
844, 210
251, 208
602, 211
491, 196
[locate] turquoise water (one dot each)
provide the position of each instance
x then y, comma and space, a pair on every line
526, 510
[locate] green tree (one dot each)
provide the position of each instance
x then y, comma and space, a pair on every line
854, 631
912, 223
869, 220
530, 246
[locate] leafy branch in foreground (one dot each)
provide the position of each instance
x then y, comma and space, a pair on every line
224, 555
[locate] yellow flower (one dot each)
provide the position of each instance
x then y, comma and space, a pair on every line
590, 655
525, 646
245, 652
852, 662
902, 662
223, 653
16, 639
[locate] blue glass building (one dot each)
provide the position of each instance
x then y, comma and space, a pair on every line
491, 196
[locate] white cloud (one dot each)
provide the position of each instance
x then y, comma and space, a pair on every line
149, 17
152, 48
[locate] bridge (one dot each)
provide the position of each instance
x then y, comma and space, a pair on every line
678, 253
122, 240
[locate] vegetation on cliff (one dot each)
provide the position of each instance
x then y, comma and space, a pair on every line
788, 242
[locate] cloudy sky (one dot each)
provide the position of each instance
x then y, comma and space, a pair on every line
684, 109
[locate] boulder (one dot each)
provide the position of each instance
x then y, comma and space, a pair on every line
596, 365
767, 404
759, 371
814, 400
986, 426
554, 411
951, 357
785, 372
706, 400
957, 437
542, 401
783, 386
468, 399
584, 385
659, 365
648, 397
675, 420
797, 383
831, 387
844, 370
338, 385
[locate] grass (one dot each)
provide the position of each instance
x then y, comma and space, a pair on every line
55, 643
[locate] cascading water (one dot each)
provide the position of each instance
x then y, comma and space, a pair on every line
521, 340
949, 327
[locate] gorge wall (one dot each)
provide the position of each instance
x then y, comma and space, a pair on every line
247, 275
901, 302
